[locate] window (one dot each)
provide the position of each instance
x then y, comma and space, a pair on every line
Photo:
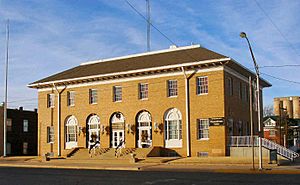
71, 98
71, 129
50, 100
173, 126
202, 85
246, 92
8, 125
230, 86
50, 134
93, 96
272, 133
25, 125
25, 148
203, 129
8, 148
240, 90
172, 88
143, 91
117, 93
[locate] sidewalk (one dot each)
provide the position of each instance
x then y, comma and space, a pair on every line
220, 165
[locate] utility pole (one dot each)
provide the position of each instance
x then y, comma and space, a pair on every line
148, 24
251, 120
5, 91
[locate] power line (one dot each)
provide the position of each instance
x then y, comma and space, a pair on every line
276, 27
287, 65
282, 79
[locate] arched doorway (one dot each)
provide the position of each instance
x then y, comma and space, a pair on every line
71, 126
93, 128
144, 130
117, 123
173, 128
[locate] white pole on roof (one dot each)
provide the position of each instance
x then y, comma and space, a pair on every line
148, 24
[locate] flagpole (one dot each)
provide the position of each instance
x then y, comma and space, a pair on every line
5, 91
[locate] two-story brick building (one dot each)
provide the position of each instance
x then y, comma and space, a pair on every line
21, 132
187, 99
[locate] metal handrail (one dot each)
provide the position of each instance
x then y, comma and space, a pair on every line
242, 141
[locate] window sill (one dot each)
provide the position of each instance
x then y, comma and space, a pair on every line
118, 101
172, 96
93, 103
144, 99
203, 139
203, 94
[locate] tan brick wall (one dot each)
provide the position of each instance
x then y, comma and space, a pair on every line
201, 106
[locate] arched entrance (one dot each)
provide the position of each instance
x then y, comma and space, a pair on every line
71, 126
117, 122
144, 130
93, 128
173, 128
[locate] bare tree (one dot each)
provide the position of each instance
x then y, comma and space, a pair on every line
268, 110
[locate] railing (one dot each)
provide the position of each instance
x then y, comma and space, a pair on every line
242, 141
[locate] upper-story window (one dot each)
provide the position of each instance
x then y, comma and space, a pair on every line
203, 129
245, 93
230, 86
117, 93
172, 88
71, 98
240, 90
25, 125
8, 125
50, 100
202, 85
93, 96
143, 91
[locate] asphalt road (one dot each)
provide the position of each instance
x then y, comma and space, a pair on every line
24, 176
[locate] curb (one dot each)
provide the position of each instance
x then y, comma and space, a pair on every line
72, 167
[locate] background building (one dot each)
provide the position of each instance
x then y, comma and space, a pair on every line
290, 103
189, 100
21, 132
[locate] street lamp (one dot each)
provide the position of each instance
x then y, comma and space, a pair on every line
243, 35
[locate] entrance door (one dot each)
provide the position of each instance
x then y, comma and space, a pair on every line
145, 140
118, 137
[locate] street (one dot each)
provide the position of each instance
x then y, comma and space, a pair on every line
24, 176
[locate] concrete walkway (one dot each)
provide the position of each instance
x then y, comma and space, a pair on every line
218, 165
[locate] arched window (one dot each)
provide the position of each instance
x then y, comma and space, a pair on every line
117, 122
173, 128
144, 130
94, 127
71, 132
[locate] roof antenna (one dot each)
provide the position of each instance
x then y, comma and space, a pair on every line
148, 24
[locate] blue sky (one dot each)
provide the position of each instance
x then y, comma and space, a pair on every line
48, 36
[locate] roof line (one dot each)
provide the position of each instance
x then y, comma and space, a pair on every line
175, 48
132, 71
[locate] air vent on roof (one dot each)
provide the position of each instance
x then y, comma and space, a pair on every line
173, 46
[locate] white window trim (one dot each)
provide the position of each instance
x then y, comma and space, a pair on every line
27, 126
114, 93
168, 89
51, 98
198, 130
140, 92
197, 79
71, 98
90, 97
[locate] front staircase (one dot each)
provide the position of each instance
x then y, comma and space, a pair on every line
109, 153
245, 141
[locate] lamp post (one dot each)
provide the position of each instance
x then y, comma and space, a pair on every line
243, 35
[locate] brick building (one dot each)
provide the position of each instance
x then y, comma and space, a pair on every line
187, 99
21, 132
